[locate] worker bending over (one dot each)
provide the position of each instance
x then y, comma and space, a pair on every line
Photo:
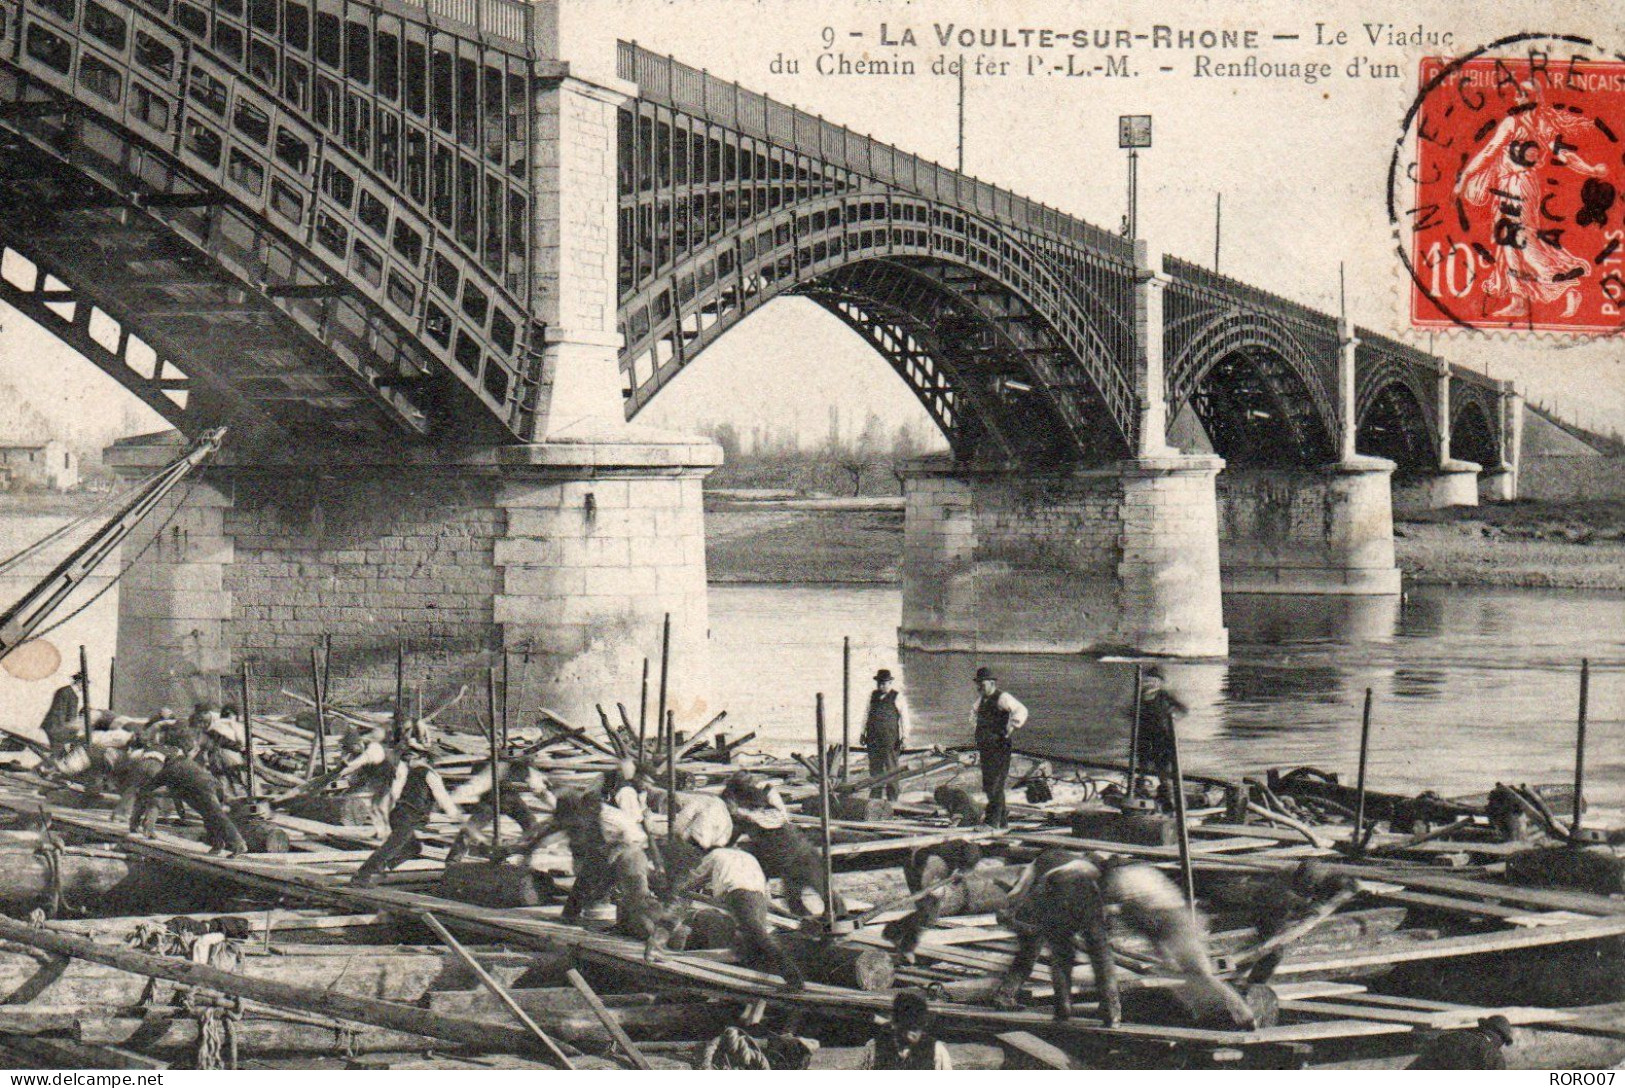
735, 881
783, 851
148, 770
1065, 896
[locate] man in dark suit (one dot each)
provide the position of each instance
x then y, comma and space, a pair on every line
884, 731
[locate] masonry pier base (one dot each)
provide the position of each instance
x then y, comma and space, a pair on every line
563, 555
1454, 483
1314, 531
1122, 558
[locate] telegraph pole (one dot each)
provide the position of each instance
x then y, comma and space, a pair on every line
961, 166
1218, 226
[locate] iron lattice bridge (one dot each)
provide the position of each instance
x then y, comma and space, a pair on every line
319, 218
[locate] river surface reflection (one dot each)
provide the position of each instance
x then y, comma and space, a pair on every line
1469, 685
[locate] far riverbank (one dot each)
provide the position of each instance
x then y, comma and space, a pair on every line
860, 542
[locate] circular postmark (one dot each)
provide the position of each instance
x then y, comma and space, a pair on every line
1506, 189
32, 660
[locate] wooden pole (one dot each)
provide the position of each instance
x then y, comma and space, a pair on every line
496, 758
1358, 841
112, 679
643, 714
671, 790
400, 687
84, 692
248, 730
497, 989
1185, 871
823, 824
665, 667
506, 701
282, 995
317, 763
1134, 733
846, 703
1580, 746
327, 689
607, 1018
609, 731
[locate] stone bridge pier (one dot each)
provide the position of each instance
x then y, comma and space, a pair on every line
564, 556
1121, 558
1325, 529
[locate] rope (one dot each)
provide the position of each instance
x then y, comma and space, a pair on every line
216, 1024
733, 1049
51, 855
157, 536
60, 531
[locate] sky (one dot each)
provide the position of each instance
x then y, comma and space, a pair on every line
1302, 168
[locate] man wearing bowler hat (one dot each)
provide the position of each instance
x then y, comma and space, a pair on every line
884, 732
996, 715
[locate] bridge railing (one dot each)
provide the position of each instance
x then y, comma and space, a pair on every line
506, 19
669, 82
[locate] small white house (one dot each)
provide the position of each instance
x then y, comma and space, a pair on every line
50, 465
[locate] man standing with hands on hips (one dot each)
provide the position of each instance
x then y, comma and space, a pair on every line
996, 715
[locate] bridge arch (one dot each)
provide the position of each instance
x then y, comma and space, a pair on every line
990, 330
1256, 389
1392, 418
166, 171
1472, 435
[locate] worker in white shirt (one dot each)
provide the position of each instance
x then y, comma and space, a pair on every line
370, 770
759, 813
734, 879
702, 823
996, 715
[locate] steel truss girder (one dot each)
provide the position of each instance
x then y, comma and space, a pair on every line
886, 309
75, 332
671, 318
1475, 424
366, 400
964, 345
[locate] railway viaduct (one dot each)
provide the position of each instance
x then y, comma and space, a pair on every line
429, 273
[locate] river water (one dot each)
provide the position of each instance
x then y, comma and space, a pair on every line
1469, 686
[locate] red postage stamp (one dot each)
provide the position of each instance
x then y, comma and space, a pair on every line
1519, 182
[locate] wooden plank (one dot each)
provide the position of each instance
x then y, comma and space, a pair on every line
607, 1018
1037, 1052
497, 989
1462, 1016
1448, 947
